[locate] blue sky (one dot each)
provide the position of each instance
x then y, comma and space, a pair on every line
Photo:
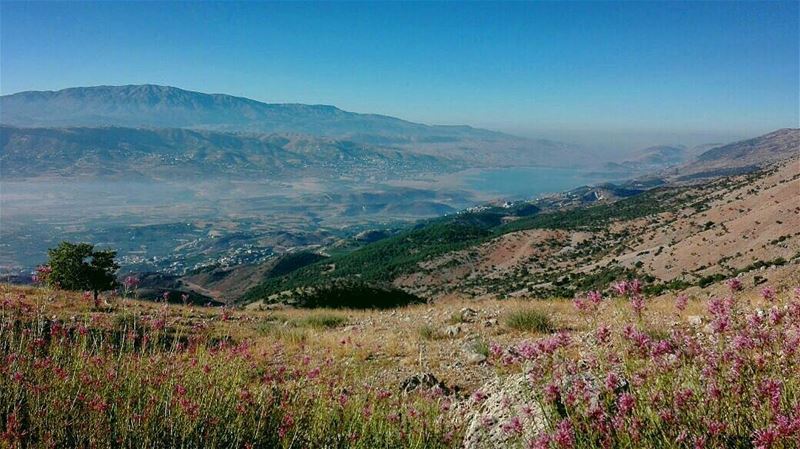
553, 69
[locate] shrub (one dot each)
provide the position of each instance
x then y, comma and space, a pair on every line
530, 320
428, 332
324, 321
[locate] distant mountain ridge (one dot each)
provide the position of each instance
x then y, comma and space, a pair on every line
170, 107
651, 159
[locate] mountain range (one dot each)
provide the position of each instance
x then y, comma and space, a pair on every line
169, 107
162, 107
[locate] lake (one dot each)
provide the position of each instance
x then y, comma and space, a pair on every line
515, 183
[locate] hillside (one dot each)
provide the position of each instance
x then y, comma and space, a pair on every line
675, 237
740, 157
173, 153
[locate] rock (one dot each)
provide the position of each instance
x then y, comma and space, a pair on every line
491, 322
452, 330
497, 403
468, 315
476, 358
425, 381
695, 320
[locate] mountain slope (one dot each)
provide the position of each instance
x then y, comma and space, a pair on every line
743, 156
114, 151
674, 237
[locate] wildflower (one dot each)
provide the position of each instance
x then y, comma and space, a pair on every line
595, 297
637, 304
680, 302
603, 334
540, 442
612, 381
770, 390
765, 438
735, 284
512, 426
621, 288
180, 390
564, 435
625, 403
552, 393
716, 427
130, 282
384, 394
768, 293
42, 274
487, 421
479, 396
286, 423
682, 397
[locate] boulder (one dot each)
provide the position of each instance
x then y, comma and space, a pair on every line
452, 330
502, 413
424, 381
468, 315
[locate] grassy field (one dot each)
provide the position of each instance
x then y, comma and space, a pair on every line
615, 370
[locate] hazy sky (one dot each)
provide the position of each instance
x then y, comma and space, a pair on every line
552, 69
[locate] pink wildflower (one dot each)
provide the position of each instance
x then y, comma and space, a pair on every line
564, 435
680, 302
735, 284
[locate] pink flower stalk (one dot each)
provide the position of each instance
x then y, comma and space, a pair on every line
681, 302
564, 435
625, 403
479, 396
130, 282
621, 287
512, 426
595, 297
42, 274
612, 381
765, 438
637, 304
540, 442
635, 287
552, 393
770, 390
768, 293
735, 284
603, 334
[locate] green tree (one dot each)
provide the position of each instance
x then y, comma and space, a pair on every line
77, 266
